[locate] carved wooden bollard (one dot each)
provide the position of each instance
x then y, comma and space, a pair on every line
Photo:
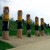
6, 23
19, 24
28, 24
42, 26
36, 26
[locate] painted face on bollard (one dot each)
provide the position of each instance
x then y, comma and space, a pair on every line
36, 19
20, 15
28, 16
42, 21
6, 10
6, 13
28, 19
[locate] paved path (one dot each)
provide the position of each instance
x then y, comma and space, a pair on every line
42, 45
17, 42
33, 43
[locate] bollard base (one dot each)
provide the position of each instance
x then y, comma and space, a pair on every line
37, 33
28, 33
6, 35
42, 32
19, 34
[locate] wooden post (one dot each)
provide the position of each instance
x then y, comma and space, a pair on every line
19, 24
42, 26
36, 26
28, 23
6, 23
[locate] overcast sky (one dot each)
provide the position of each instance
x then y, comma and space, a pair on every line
40, 8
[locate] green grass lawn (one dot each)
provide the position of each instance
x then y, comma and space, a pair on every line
5, 45
13, 28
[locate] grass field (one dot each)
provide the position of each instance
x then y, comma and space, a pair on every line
13, 28
5, 45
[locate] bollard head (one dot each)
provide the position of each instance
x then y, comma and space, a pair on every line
28, 16
28, 19
36, 19
6, 13
19, 12
20, 15
6, 10
42, 20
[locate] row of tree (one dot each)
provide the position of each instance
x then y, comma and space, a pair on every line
47, 25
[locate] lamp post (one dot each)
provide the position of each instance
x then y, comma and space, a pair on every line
42, 26
6, 23
19, 24
36, 26
28, 23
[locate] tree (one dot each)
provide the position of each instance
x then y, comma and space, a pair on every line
0, 16
48, 26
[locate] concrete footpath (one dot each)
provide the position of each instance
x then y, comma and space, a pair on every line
40, 45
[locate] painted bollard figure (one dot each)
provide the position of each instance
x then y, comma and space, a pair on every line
28, 24
19, 24
6, 23
36, 26
42, 26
